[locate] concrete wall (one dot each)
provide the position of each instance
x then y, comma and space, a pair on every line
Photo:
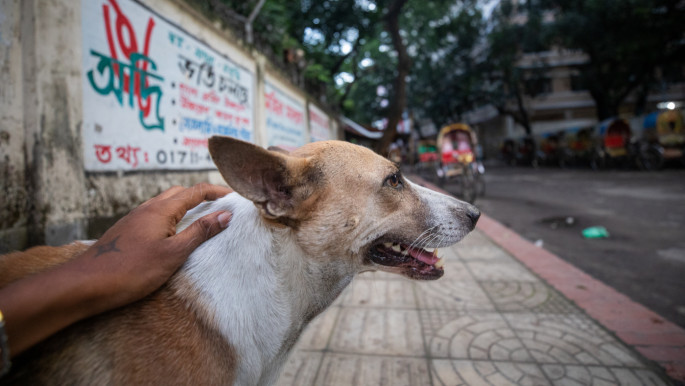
46, 197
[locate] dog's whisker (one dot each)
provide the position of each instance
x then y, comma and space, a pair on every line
422, 238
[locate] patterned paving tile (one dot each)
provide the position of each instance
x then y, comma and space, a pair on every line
569, 339
301, 369
488, 321
496, 271
453, 292
380, 293
474, 239
341, 369
481, 336
521, 296
454, 270
580, 375
478, 247
449, 254
379, 275
460, 372
318, 332
378, 331
489, 253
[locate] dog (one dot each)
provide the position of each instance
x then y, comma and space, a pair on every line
304, 224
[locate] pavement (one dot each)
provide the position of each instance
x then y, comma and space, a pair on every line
505, 313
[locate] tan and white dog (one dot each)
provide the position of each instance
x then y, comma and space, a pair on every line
304, 224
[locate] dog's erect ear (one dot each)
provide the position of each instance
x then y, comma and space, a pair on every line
273, 180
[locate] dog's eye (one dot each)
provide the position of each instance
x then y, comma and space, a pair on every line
394, 180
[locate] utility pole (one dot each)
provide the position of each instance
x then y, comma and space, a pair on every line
250, 20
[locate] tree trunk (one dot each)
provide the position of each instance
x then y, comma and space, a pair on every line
399, 98
642, 95
524, 118
603, 105
520, 114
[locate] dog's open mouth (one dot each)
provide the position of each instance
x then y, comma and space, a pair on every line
415, 263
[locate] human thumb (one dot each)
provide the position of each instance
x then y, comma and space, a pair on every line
202, 230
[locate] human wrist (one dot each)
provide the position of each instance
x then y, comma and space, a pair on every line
89, 290
5, 363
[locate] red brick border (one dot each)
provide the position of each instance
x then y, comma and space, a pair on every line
653, 336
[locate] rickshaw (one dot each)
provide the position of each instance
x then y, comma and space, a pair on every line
670, 139
457, 145
427, 158
579, 147
663, 140
520, 151
526, 152
616, 145
552, 151
508, 151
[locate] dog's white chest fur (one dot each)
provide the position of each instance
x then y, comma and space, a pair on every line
254, 279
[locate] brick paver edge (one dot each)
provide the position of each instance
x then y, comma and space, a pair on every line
653, 336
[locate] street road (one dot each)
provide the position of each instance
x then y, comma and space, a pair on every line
644, 256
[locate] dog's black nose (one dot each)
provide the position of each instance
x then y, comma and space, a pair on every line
473, 213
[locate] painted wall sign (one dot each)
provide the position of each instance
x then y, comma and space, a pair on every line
286, 126
319, 124
153, 94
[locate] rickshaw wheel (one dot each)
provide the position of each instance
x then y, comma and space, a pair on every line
650, 159
480, 186
441, 177
467, 184
597, 161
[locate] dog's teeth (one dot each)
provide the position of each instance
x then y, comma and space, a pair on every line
388, 245
396, 248
435, 252
439, 263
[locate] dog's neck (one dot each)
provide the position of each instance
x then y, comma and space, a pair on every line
259, 286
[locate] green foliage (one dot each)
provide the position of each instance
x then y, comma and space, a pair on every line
460, 60
318, 72
447, 69
625, 41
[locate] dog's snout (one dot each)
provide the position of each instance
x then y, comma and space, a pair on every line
473, 213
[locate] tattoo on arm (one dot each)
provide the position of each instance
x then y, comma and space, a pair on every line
109, 247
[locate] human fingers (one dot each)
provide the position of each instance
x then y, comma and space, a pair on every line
200, 231
164, 195
191, 197
170, 192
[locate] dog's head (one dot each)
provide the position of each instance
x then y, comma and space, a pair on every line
345, 203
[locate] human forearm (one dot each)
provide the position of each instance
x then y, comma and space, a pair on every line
42, 304
131, 260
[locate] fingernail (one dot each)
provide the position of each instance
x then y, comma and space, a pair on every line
224, 218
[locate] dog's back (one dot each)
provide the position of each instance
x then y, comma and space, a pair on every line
162, 339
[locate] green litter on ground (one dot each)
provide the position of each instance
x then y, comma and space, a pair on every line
597, 232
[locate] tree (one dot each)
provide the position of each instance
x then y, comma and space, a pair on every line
399, 98
335, 36
446, 78
382, 44
339, 36
625, 41
507, 42
367, 50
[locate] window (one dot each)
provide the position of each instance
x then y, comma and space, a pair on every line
538, 86
577, 83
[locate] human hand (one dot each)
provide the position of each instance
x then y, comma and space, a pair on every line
142, 250
132, 259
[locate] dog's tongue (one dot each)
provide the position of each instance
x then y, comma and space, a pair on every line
423, 256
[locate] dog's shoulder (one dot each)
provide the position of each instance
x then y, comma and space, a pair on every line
17, 265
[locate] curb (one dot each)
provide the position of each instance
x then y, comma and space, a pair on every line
653, 336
